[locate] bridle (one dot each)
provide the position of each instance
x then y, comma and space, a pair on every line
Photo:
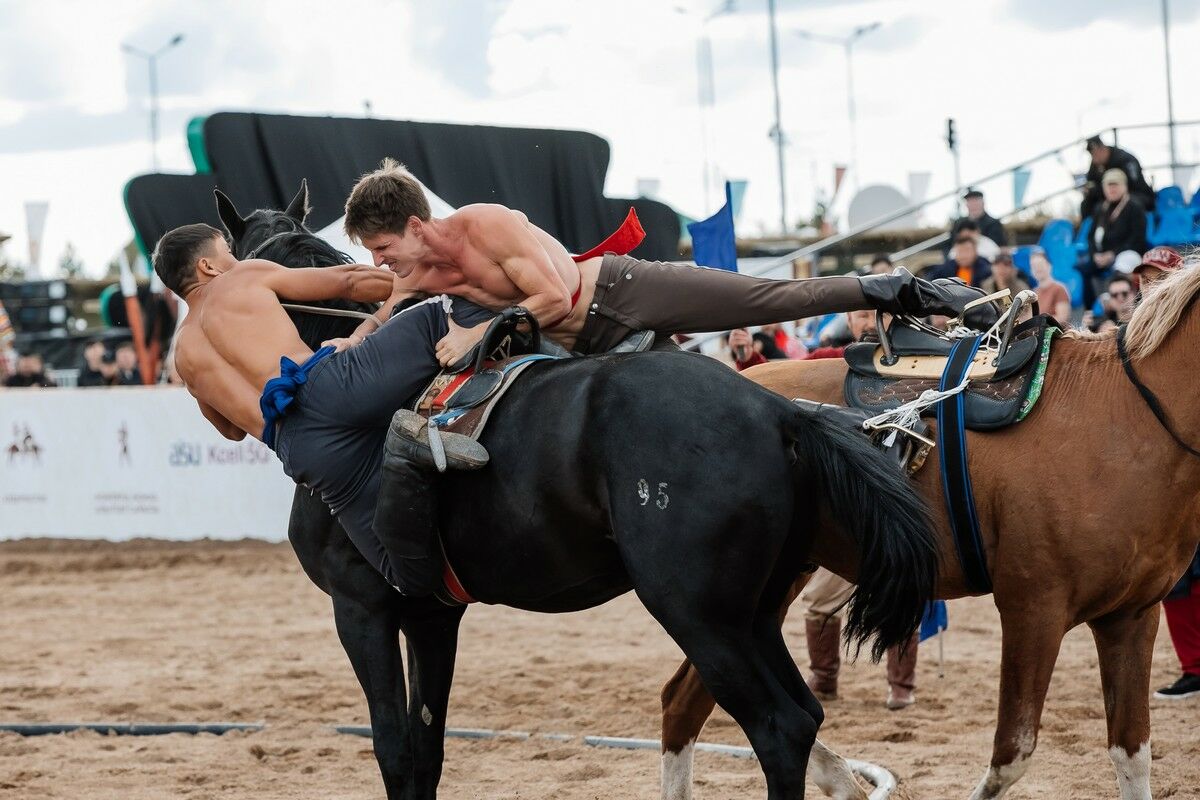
1148, 396
327, 312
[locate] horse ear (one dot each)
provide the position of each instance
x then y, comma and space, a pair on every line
298, 208
229, 215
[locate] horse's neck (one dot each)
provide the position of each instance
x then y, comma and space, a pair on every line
1172, 372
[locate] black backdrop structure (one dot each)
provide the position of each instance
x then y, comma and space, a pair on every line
556, 177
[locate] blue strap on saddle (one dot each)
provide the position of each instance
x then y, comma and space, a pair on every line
956, 478
279, 392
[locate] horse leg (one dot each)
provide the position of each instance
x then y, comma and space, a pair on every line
1125, 644
1030, 641
432, 639
686, 706
370, 634
829, 771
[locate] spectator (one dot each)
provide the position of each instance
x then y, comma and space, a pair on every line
823, 598
1105, 158
31, 372
1114, 307
966, 265
881, 264
1004, 276
1182, 607
1156, 263
98, 367
1053, 297
127, 372
1118, 225
988, 226
746, 354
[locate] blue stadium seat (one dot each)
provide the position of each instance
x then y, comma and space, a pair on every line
1058, 240
1175, 226
1169, 197
1081, 238
1195, 204
1020, 257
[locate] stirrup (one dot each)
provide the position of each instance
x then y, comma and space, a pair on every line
430, 446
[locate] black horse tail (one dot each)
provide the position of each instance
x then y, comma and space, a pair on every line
874, 503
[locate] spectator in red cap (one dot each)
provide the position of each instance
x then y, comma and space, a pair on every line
1156, 263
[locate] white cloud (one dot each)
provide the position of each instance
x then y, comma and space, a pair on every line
625, 70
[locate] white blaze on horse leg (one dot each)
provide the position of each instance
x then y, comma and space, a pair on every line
677, 773
1133, 771
998, 780
832, 774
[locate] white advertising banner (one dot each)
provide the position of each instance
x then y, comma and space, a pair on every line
125, 462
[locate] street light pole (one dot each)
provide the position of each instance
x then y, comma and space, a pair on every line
152, 65
1166, 20
847, 43
777, 131
706, 85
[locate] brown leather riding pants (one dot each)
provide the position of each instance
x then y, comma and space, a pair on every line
635, 295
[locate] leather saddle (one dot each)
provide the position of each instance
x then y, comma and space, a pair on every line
881, 378
461, 398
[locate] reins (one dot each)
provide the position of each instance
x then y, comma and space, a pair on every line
1148, 396
328, 312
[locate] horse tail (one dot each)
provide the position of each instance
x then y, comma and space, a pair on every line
874, 503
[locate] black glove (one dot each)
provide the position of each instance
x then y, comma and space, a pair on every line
901, 292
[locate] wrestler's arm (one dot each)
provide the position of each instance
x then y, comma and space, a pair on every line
199, 381
401, 290
355, 282
218, 420
501, 234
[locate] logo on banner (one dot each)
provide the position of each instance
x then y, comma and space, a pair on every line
23, 448
123, 456
184, 454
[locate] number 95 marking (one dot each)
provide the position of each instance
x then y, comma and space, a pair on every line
643, 492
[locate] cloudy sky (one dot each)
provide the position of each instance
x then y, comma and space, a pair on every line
1019, 76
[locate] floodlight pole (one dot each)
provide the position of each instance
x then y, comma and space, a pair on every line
847, 44
152, 65
706, 84
777, 131
1166, 21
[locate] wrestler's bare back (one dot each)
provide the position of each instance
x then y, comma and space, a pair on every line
230, 343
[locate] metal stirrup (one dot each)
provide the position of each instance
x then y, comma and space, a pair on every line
437, 446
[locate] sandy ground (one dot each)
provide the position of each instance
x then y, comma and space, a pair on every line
150, 631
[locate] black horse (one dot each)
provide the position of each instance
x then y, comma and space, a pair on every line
665, 473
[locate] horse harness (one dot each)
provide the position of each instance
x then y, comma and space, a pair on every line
970, 380
1148, 396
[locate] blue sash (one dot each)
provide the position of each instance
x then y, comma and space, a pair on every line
279, 392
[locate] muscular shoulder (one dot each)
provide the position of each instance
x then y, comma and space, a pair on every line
489, 215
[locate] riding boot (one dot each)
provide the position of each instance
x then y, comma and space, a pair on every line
901, 292
824, 655
902, 675
405, 511
427, 447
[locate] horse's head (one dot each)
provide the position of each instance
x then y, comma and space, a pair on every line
248, 234
282, 237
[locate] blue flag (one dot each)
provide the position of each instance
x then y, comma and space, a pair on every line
935, 620
713, 243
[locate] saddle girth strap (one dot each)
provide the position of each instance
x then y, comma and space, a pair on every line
956, 477
1148, 396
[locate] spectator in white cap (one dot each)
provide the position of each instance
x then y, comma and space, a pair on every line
1118, 225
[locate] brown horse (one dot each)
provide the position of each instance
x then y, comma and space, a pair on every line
1088, 511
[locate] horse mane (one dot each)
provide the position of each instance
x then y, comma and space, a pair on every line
1159, 312
302, 248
